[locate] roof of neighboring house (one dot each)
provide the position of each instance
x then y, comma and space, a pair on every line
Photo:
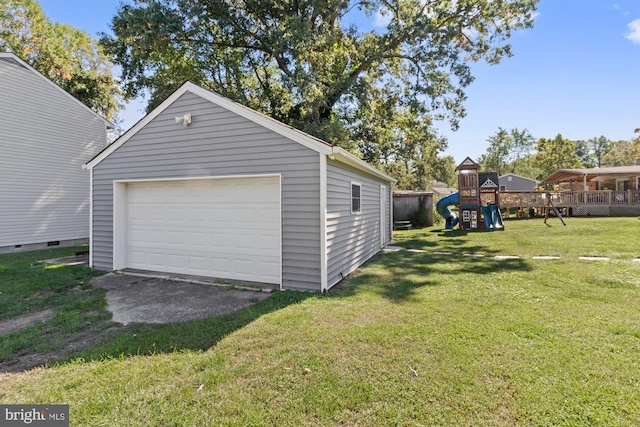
309, 141
11, 57
403, 193
564, 175
517, 176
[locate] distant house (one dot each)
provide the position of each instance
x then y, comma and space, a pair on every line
441, 189
205, 186
513, 182
616, 178
45, 137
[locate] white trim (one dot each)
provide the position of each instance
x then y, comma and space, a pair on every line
383, 215
256, 117
352, 183
280, 221
349, 159
120, 196
324, 255
91, 218
11, 55
193, 178
119, 225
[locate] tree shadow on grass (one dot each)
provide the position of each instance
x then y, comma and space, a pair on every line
398, 276
149, 339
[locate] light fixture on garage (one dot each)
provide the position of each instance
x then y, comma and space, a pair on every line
185, 120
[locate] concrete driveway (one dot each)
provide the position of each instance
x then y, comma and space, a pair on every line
135, 299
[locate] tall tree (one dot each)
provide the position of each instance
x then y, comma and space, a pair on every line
622, 153
67, 56
508, 151
554, 154
303, 62
600, 147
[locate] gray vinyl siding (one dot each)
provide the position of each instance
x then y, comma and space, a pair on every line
517, 183
45, 138
219, 143
352, 238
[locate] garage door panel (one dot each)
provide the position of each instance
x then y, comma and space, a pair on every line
225, 228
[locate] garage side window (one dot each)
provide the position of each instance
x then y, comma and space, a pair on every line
355, 197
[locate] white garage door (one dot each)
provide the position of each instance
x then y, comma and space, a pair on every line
223, 228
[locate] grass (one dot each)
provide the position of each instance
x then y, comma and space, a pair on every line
408, 339
28, 286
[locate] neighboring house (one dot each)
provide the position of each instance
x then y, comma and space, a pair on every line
616, 178
205, 186
513, 182
441, 189
45, 137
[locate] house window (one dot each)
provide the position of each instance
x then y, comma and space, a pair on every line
356, 205
504, 187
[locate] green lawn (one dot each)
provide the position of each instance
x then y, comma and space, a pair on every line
409, 339
28, 286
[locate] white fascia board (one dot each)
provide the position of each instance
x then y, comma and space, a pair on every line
13, 56
256, 117
135, 129
324, 252
349, 159
261, 119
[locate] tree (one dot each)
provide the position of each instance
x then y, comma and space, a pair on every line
599, 147
622, 153
301, 62
67, 56
508, 151
554, 154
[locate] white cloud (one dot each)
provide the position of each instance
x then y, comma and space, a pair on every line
535, 15
634, 31
383, 17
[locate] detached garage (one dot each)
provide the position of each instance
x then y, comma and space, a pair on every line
205, 186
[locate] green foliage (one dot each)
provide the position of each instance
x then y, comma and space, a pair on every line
65, 55
421, 217
304, 63
599, 148
554, 154
508, 151
622, 153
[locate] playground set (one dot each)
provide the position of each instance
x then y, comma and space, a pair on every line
478, 200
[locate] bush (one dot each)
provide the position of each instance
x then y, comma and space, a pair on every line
420, 218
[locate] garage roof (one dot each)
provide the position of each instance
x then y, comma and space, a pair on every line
289, 132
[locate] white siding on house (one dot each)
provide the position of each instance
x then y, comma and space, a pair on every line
45, 138
352, 238
218, 143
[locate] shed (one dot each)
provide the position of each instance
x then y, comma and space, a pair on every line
407, 205
45, 138
205, 186
513, 182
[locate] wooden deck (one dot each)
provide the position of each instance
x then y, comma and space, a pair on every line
573, 203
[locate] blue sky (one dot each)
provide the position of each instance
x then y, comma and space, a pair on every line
577, 72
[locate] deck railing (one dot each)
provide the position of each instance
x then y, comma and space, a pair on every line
570, 198
599, 202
